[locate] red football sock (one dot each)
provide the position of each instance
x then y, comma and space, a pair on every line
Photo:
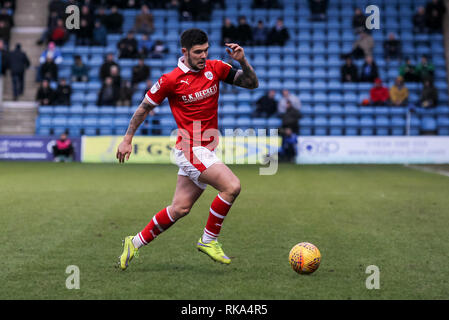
218, 211
160, 222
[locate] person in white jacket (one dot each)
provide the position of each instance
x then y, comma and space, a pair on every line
287, 96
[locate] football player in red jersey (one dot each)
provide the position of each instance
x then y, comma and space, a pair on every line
192, 89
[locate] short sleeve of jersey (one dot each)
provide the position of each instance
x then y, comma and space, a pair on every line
225, 71
159, 91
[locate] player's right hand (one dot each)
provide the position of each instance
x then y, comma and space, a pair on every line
124, 150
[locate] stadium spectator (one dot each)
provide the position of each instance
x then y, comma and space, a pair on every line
126, 93
5, 32
128, 47
51, 23
399, 93
140, 72
58, 7
358, 21
108, 94
116, 78
59, 34
290, 117
101, 16
349, 71
144, 46
86, 14
172, 5
4, 58
105, 69
18, 63
429, 95
144, 22
260, 34
228, 32
159, 50
379, 95
99, 35
435, 10
369, 70
420, 21
63, 150
204, 10
425, 69
80, 72
49, 70
114, 21
363, 46
52, 52
244, 33
392, 47
318, 9
84, 34
408, 71
45, 95
266, 106
7, 18
187, 10
266, 4
293, 99
279, 34
288, 150
63, 93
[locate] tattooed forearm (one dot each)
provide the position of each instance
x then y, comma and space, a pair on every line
246, 77
139, 116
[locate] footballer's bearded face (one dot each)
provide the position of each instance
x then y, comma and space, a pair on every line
196, 56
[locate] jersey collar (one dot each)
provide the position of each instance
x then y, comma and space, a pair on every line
183, 67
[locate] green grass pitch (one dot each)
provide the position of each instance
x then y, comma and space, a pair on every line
56, 215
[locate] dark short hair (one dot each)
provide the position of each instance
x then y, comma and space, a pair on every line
192, 37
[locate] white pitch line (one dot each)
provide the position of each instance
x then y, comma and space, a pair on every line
429, 170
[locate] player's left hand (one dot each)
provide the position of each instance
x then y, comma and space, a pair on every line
237, 52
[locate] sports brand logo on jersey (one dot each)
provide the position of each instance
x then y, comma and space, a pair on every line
186, 81
209, 75
155, 87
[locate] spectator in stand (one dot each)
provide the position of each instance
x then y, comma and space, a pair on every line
63, 93
266, 106
52, 52
369, 71
429, 95
126, 94
399, 93
266, 4
293, 99
45, 95
51, 23
392, 47
80, 72
114, 21
159, 50
128, 47
101, 16
84, 34
144, 22
279, 34
363, 46
289, 147
435, 10
86, 14
108, 95
420, 21
204, 10
349, 71
290, 117
318, 9
140, 72
425, 69
49, 70
358, 21
105, 69
7, 18
4, 58
260, 34
228, 32
187, 10
116, 78
99, 35
408, 71
57, 6
5, 32
172, 5
63, 150
379, 94
18, 63
244, 32
59, 34
145, 46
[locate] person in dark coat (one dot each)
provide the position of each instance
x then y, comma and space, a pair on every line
4, 58
278, 34
45, 95
18, 63
266, 105
105, 69
63, 92
349, 71
140, 72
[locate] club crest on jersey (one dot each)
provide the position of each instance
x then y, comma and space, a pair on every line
209, 75
155, 87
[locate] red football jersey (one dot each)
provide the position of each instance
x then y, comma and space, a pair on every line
193, 98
